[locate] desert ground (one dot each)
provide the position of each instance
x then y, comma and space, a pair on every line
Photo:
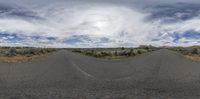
161, 74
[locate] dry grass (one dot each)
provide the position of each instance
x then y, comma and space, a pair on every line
193, 57
23, 54
20, 58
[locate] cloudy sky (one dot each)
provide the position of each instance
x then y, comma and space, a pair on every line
99, 23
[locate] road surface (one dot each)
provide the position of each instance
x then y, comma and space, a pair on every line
161, 74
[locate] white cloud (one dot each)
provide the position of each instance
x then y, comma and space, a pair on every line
123, 26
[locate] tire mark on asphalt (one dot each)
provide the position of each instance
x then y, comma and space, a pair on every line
79, 69
82, 71
91, 76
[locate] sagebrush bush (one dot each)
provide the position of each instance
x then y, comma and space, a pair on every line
139, 52
194, 51
187, 50
13, 51
113, 52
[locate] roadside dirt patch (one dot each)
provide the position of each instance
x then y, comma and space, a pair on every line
21, 58
193, 57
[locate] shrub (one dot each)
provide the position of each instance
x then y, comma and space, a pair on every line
104, 54
122, 48
32, 51
77, 50
92, 51
11, 52
88, 53
139, 52
131, 53
116, 53
98, 54
194, 51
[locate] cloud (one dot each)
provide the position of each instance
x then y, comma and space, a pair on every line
99, 25
95, 21
170, 13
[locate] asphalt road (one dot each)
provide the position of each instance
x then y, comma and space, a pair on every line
161, 74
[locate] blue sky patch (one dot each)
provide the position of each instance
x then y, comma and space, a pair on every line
17, 38
191, 34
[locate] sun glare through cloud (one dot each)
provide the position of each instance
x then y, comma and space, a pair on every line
89, 23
